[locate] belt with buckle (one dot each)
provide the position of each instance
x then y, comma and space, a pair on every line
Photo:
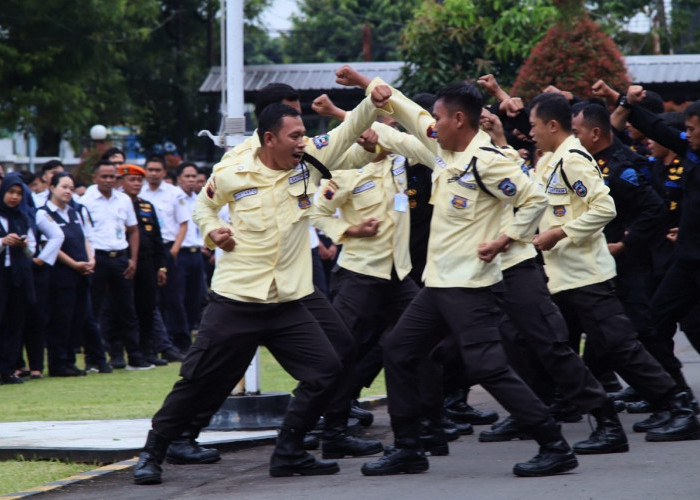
110, 253
190, 249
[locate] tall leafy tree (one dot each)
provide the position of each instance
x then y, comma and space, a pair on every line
60, 64
332, 30
457, 39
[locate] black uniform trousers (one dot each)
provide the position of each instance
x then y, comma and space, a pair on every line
171, 299
14, 307
87, 332
34, 331
533, 326
369, 306
66, 317
229, 334
471, 316
602, 317
116, 293
190, 282
678, 293
145, 287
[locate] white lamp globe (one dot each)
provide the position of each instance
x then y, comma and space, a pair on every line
98, 133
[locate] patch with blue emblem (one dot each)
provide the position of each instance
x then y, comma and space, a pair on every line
459, 202
321, 141
304, 202
507, 187
580, 189
630, 175
559, 210
431, 133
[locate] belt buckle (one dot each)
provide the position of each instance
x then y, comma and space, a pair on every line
193, 249
112, 254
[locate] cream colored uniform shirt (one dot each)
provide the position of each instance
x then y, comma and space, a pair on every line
268, 211
582, 209
364, 193
464, 215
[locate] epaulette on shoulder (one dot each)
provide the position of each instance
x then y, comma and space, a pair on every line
582, 153
493, 150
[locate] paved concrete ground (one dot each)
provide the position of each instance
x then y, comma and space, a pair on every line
473, 469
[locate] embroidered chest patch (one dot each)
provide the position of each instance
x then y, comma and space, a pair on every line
246, 192
459, 202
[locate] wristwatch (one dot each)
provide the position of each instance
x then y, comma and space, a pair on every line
622, 101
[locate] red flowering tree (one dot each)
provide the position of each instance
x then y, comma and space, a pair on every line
573, 54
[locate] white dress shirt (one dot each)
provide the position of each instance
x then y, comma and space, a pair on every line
40, 199
193, 238
110, 218
171, 208
52, 233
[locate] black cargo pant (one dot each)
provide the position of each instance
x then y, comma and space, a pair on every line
229, 335
602, 317
471, 317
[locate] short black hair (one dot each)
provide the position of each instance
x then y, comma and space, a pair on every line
182, 166
270, 120
274, 93
27, 176
653, 102
111, 152
60, 175
50, 165
551, 106
595, 114
425, 100
693, 110
464, 97
155, 159
101, 163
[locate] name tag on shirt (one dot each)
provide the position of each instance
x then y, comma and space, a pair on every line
364, 187
242, 194
401, 202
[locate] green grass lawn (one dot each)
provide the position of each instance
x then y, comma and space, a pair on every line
122, 394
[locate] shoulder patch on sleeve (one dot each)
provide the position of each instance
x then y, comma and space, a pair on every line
321, 141
430, 132
630, 175
582, 153
493, 150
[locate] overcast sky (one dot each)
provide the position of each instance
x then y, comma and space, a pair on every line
276, 18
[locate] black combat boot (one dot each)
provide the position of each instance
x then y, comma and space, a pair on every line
506, 430
337, 443
433, 439
290, 458
453, 430
563, 411
311, 442
608, 436
642, 406
683, 425
460, 412
365, 417
555, 455
148, 470
627, 395
186, 450
405, 456
657, 419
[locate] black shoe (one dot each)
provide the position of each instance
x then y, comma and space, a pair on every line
155, 360
104, 367
619, 405
66, 371
365, 417
608, 436
562, 411
683, 425
506, 430
655, 420
188, 451
90, 368
117, 363
10, 380
639, 407
344, 445
452, 431
290, 458
396, 461
311, 442
553, 458
76, 371
462, 413
434, 441
138, 364
628, 395
147, 469
173, 355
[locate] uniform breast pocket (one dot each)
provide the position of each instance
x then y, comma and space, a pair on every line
248, 214
299, 202
460, 202
367, 196
559, 210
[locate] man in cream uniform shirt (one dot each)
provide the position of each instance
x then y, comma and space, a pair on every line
257, 284
458, 299
580, 267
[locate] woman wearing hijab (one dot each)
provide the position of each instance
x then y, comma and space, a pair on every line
17, 246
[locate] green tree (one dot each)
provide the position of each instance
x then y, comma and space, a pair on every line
332, 30
60, 64
458, 39
573, 54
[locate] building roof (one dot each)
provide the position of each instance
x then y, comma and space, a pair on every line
311, 76
664, 69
